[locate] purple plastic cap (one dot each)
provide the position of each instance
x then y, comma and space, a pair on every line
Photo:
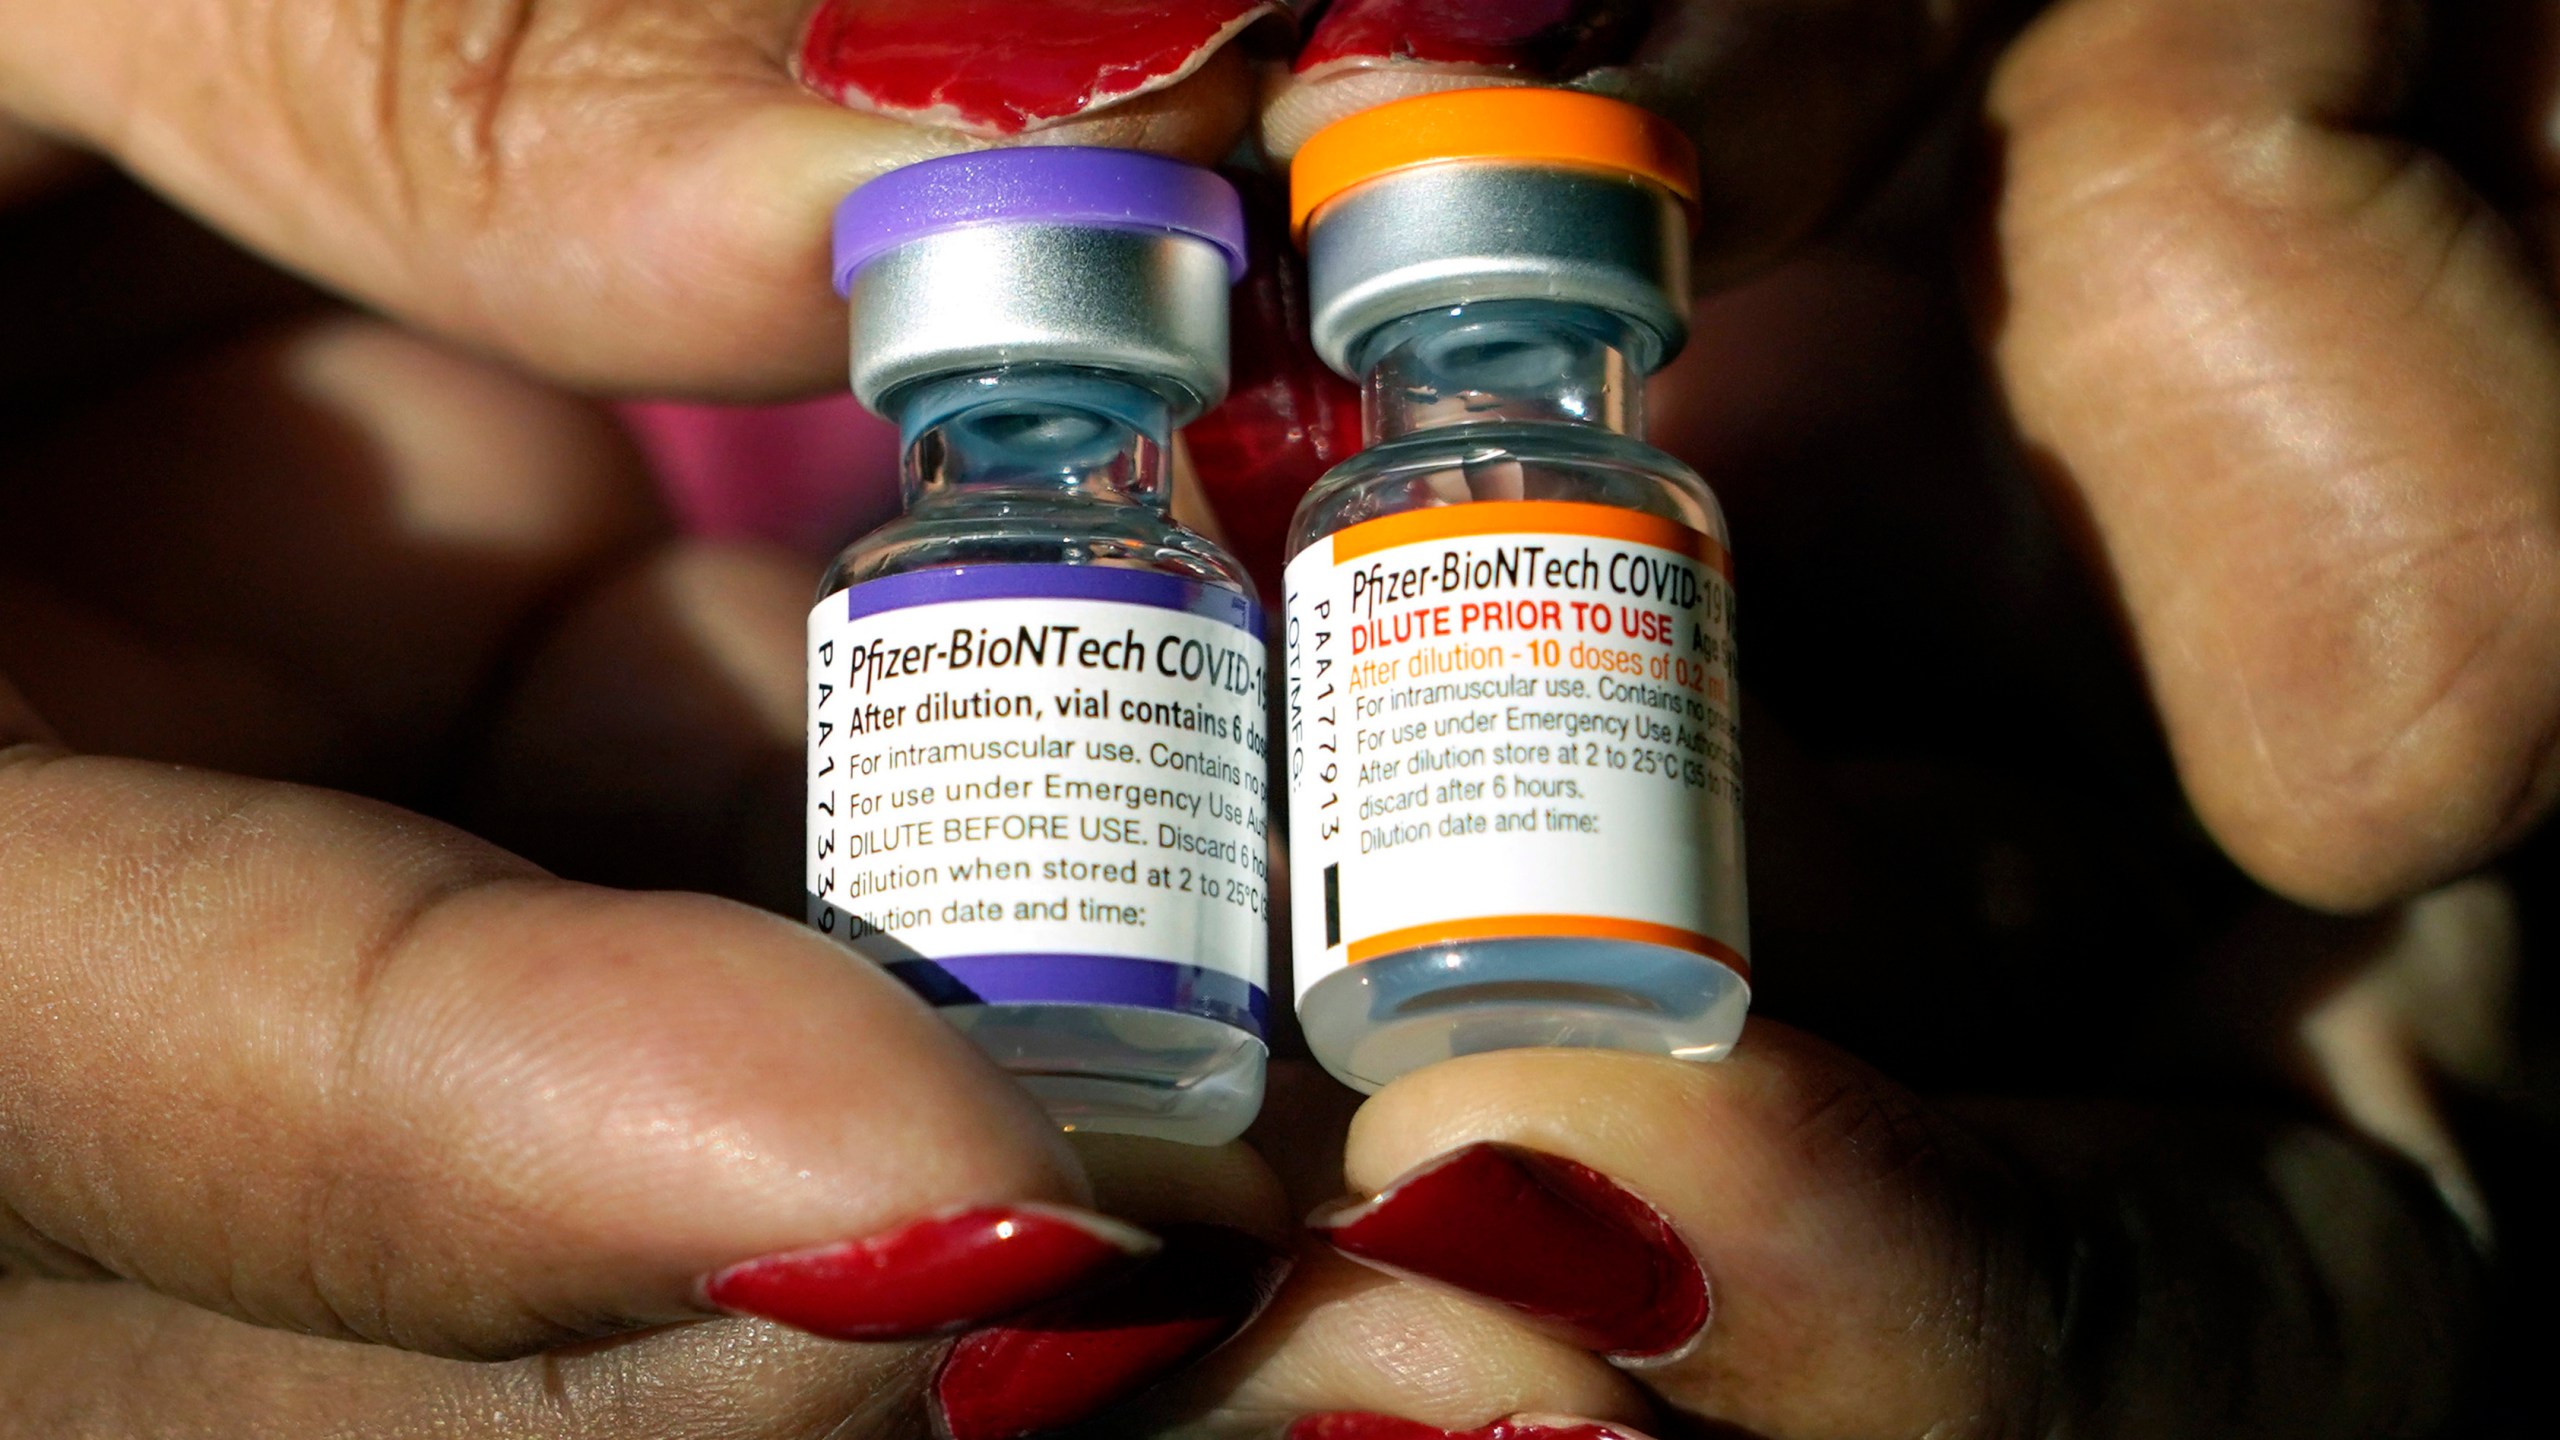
1039, 185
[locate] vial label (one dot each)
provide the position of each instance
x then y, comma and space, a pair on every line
1037, 784
1512, 720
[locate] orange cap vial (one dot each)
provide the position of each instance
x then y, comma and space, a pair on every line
1509, 193
1517, 125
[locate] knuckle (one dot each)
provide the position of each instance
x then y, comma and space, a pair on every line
446, 75
2425, 737
2158, 112
2185, 62
1981, 1253
1851, 1122
471, 94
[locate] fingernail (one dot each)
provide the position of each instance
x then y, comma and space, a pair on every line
1518, 1427
934, 1277
1067, 1362
1000, 67
1544, 39
1559, 1242
1287, 418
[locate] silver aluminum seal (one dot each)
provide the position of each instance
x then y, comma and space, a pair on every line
1457, 233
1146, 304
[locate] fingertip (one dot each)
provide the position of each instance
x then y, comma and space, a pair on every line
1198, 119
594, 1099
727, 249
1538, 1098
1817, 1216
1342, 1337
1759, 1120
1295, 106
2291, 375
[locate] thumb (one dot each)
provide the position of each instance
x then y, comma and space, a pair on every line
317, 1064
1790, 1244
623, 194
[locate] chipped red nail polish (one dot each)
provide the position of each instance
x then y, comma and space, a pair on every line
1287, 418
1547, 39
1352, 1426
1000, 67
1557, 1241
933, 1277
1067, 1362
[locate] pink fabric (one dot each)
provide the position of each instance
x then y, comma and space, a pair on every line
810, 476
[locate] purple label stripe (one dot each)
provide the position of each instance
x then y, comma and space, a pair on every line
1088, 980
1052, 582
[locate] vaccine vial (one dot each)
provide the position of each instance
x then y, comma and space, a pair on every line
1037, 783
1515, 792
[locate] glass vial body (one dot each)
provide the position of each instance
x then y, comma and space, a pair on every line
1036, 761
1515, 786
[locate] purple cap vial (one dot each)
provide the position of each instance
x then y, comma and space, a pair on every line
1103, 259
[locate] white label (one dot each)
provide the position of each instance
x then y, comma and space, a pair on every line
1043, 784
1512, 719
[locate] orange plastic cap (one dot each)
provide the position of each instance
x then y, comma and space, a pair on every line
1511, 124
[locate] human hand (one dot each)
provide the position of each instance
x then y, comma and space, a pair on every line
2345, 653
2265, 291
1524, 1375
289, 1057
384, 1082
2156, 1236
285, 1056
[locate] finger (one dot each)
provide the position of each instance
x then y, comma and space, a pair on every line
625, 196
1343, 1340
652, 736
32, 166
2377, 1020
1873, 1269
1338, 1340
435, 509
115, 1361
2301, 386
113, 287
1793, 106
318, 1064
118, 1362
1085, 1358
1357, 1426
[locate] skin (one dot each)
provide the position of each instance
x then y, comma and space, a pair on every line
290, 1067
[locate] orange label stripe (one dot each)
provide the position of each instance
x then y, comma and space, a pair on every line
1530, 517
1549, 927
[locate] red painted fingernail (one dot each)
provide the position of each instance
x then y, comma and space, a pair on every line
1065, 1363
1547, 39
1558, 1242
1287, 418
1518, 1427
933, 1277
1000, 67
